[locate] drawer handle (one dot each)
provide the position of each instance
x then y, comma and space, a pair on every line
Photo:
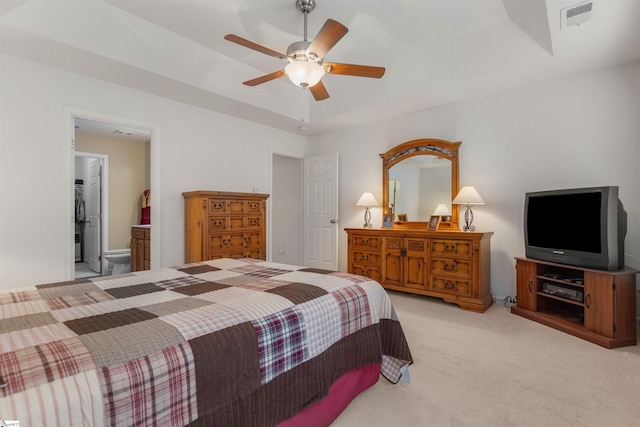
226, 242
587, 300
253, 206
364, 258
450, 266
217, 223
253, 221
247, 239
530, 285
449, 285
217, 206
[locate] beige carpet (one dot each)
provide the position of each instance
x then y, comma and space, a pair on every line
499, 369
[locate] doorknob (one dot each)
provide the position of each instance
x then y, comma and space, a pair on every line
334, 221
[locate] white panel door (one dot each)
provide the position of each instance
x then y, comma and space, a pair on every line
93, 226
320, 222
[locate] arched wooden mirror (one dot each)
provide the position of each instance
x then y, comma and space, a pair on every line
417, 176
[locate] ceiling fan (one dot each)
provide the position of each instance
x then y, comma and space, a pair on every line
306, 65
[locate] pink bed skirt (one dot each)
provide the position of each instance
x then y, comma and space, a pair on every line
341, 393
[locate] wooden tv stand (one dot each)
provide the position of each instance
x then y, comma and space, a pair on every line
597, 306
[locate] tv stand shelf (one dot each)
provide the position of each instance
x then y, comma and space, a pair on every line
595, 305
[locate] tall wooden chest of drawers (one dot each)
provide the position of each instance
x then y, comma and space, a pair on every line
451, 265
221, 224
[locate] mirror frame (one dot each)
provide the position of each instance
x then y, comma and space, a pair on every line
420, 147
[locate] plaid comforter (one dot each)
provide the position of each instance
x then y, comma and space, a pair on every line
224, 342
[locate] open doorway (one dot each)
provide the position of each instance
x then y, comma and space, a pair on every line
286, 209
112, 171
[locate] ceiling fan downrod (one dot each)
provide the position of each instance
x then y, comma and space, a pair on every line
305, 6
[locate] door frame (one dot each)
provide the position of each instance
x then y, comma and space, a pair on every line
68, 163
104, 202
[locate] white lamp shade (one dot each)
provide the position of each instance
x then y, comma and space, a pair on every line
468, 196
442, 210
367, 199
304, 73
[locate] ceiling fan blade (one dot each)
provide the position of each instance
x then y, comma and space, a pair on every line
353, 70
330, 33
264, 79
251, 45
319, 91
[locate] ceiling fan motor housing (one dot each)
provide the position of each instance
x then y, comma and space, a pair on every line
305, 5
297, 51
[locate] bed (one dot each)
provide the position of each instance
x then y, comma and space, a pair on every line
228, 342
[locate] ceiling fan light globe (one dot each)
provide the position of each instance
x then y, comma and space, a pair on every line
304, 73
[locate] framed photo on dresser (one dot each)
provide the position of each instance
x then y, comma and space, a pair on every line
434, 220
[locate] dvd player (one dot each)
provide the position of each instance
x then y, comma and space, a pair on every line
563, 291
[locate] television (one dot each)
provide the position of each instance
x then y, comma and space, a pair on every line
583, 227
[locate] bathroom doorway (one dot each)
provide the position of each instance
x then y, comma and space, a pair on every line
112, 169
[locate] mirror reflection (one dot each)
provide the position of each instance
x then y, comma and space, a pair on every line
417, 185
417, 176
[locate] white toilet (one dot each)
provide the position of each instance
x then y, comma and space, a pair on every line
121, 260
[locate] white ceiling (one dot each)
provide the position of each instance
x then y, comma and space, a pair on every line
435, 51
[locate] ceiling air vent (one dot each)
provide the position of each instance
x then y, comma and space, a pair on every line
576, 14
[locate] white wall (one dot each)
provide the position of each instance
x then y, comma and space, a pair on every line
199, 149
576, 132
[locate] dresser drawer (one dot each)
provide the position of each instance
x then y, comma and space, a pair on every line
217, 206
253, 222
255, 253
372, 272
450, 285
365, 257
218, 224
365, 242
457, 248
457, 266
254, 207
235, 241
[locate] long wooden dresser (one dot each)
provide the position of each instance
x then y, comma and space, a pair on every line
452, 265
221, 224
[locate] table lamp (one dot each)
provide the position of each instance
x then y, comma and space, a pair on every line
367, 200
468, 196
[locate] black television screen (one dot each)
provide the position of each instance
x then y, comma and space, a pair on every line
583, 227
579, 231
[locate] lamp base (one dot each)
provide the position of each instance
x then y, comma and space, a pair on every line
367, 218
468, 219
